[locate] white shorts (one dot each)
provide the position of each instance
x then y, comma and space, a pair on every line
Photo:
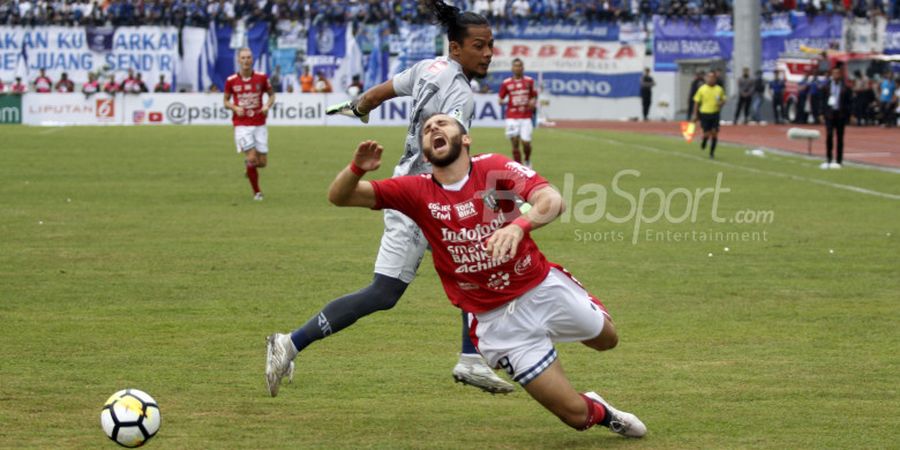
402, 247
519, 336
519, 127
248, 138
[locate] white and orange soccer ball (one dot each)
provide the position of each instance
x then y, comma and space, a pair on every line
130, 417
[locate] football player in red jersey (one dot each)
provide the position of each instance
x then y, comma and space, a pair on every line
491, 267
243, 96
520, 97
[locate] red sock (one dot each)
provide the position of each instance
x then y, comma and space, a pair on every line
253, 176
596, 413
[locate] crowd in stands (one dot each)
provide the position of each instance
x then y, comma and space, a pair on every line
201, 12
43, 84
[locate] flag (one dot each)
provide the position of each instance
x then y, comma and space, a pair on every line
350, 64
377, 66
687, 130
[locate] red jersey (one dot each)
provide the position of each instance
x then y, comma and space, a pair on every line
520, 91
19, 88
90, 87
458, 224
65, 86
248, 94
43, 85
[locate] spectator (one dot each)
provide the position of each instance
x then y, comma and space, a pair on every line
746, 87
162, 86
759, 91
836, 105
275, 79
322, 83
498, 12
777, 88
860, 96
18, 87
91, 86
111, 87
482, 7
2, 87
647, 84
128, 84
886, 89
355, 88
815, 98
43, 84
65, 85
138, 86
699, 79
307, 83
802, 96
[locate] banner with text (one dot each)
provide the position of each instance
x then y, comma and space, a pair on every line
206, 109
573, 67
713, 37
152, 51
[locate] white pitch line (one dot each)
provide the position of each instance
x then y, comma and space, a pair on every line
50, 130
846, 187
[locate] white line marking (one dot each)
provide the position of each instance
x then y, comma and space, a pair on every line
846, 187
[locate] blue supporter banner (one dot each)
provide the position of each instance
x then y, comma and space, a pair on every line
594, 32
713, 37
892, 38
327, 40
674, 39
225, 63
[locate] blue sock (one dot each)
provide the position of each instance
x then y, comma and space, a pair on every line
467, 346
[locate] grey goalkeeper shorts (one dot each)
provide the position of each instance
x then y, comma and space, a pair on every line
402, 247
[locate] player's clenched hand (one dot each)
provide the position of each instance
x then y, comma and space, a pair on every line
238, 110
347, 108
503, 244
368, 156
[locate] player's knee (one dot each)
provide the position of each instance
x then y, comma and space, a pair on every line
386, 291
608, 342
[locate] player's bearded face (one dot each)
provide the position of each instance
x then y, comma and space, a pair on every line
442, 142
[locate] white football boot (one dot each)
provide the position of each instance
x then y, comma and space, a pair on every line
258, 196
472, 370
621, 422
279, 361
834, 165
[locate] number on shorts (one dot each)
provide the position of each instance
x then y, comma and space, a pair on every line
505, 364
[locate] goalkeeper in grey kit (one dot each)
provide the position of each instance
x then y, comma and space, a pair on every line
439, 85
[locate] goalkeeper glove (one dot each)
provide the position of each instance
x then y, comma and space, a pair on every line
347, 108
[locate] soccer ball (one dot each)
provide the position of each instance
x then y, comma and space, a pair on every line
130, 417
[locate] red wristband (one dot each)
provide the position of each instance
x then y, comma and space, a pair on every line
523, 223
357, 170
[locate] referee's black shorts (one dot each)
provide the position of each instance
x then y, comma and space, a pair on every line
709, 122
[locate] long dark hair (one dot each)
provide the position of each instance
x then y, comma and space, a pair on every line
455, 22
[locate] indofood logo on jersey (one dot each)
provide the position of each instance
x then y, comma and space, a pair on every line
474, 234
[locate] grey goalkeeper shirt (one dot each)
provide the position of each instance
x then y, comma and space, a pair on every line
436, 86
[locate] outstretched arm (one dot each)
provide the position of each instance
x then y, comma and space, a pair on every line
348, 189
547, 205
375, 96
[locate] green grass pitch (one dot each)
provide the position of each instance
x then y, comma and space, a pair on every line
135, 257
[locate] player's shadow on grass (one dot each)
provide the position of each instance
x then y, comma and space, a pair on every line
595, 438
